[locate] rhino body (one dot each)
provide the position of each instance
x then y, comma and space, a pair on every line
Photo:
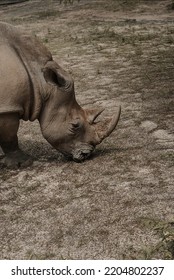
33, 86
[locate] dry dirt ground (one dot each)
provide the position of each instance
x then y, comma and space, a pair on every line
120, 203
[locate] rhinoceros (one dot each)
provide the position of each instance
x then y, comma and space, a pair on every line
34, 86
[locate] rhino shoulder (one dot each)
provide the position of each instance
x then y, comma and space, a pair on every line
29, 45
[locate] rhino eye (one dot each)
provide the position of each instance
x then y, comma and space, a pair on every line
75, 125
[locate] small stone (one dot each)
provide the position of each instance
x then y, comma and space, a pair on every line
162, 134
148, 125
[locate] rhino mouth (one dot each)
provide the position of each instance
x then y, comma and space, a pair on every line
82, 153
79, 155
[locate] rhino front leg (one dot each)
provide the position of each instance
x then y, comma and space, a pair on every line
14, 157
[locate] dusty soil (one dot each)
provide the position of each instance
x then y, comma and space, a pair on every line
119, 204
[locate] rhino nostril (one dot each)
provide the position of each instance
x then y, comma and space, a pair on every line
85, 155
81, 157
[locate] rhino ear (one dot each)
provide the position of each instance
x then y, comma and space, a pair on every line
53, 77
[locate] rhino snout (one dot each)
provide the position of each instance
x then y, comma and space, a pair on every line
80, 155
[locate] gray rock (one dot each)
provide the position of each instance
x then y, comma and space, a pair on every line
162, 134
148, 125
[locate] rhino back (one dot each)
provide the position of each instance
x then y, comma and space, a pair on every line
21, 60
30, 46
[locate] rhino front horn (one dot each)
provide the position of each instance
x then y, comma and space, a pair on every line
105, 128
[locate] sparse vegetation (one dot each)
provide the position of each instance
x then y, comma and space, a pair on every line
166, 244
165, 232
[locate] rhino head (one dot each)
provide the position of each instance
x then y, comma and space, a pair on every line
73, 131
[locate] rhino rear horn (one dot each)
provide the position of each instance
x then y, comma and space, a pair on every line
92, 114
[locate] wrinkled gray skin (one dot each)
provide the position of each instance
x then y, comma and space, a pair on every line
33, 86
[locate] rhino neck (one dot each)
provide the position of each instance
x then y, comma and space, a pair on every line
33, 60
47, 114
33, 105
36, 98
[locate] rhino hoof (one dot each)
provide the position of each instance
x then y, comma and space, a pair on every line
16, 159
